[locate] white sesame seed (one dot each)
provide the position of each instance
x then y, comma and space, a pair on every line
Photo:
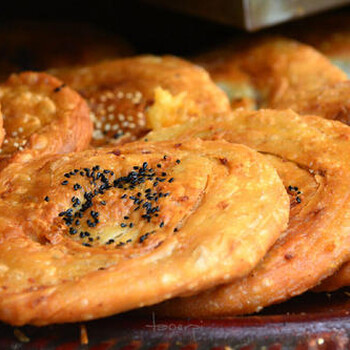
132, 125
111, 117
15, 144
140, 115
20, 148
14, 133
103, 119
120, 94
107, 127
20, 129
111, 108
121, 117
125, 124
98, 125
97, 135
130, 118
103, 98
129, 95
115, 127
109, 94
6, 141
142, 122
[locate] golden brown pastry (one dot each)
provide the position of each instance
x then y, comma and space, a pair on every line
279, 73
312, 156
329, 33
28, 45
2, 131
94, 233
134, 95
41, 116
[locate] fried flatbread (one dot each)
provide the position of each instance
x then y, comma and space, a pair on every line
41, 116
312, 156
134, 95
94, 233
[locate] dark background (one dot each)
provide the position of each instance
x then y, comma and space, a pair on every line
148, 28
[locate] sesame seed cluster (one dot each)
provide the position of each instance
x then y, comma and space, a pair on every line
41, 116
116, 114
142, 187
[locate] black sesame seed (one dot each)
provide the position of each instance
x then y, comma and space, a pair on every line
65, 182
171, 180
178, 161
103, 202
72, 231
161, 224
46, 199
59, 88
123, 225
126, 218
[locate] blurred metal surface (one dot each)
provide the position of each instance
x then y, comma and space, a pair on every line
250, 14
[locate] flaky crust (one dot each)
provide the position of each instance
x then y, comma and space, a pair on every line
41, 116
29, 45
317, 240
134, 95
2, 131
279, 73
340, 279
329, 33
207, 215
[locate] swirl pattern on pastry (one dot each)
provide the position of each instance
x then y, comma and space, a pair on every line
311, 155
279, 73
90, 234
41, 116
134, 95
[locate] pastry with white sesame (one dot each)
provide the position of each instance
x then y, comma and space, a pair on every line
104, 231
41, 116
131, 96
312, 157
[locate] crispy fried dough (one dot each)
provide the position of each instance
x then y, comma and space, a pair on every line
313, 154
41, 116
329, 33
132, 96
29, 45
282, 73
279, 73
154, 221
2, 131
